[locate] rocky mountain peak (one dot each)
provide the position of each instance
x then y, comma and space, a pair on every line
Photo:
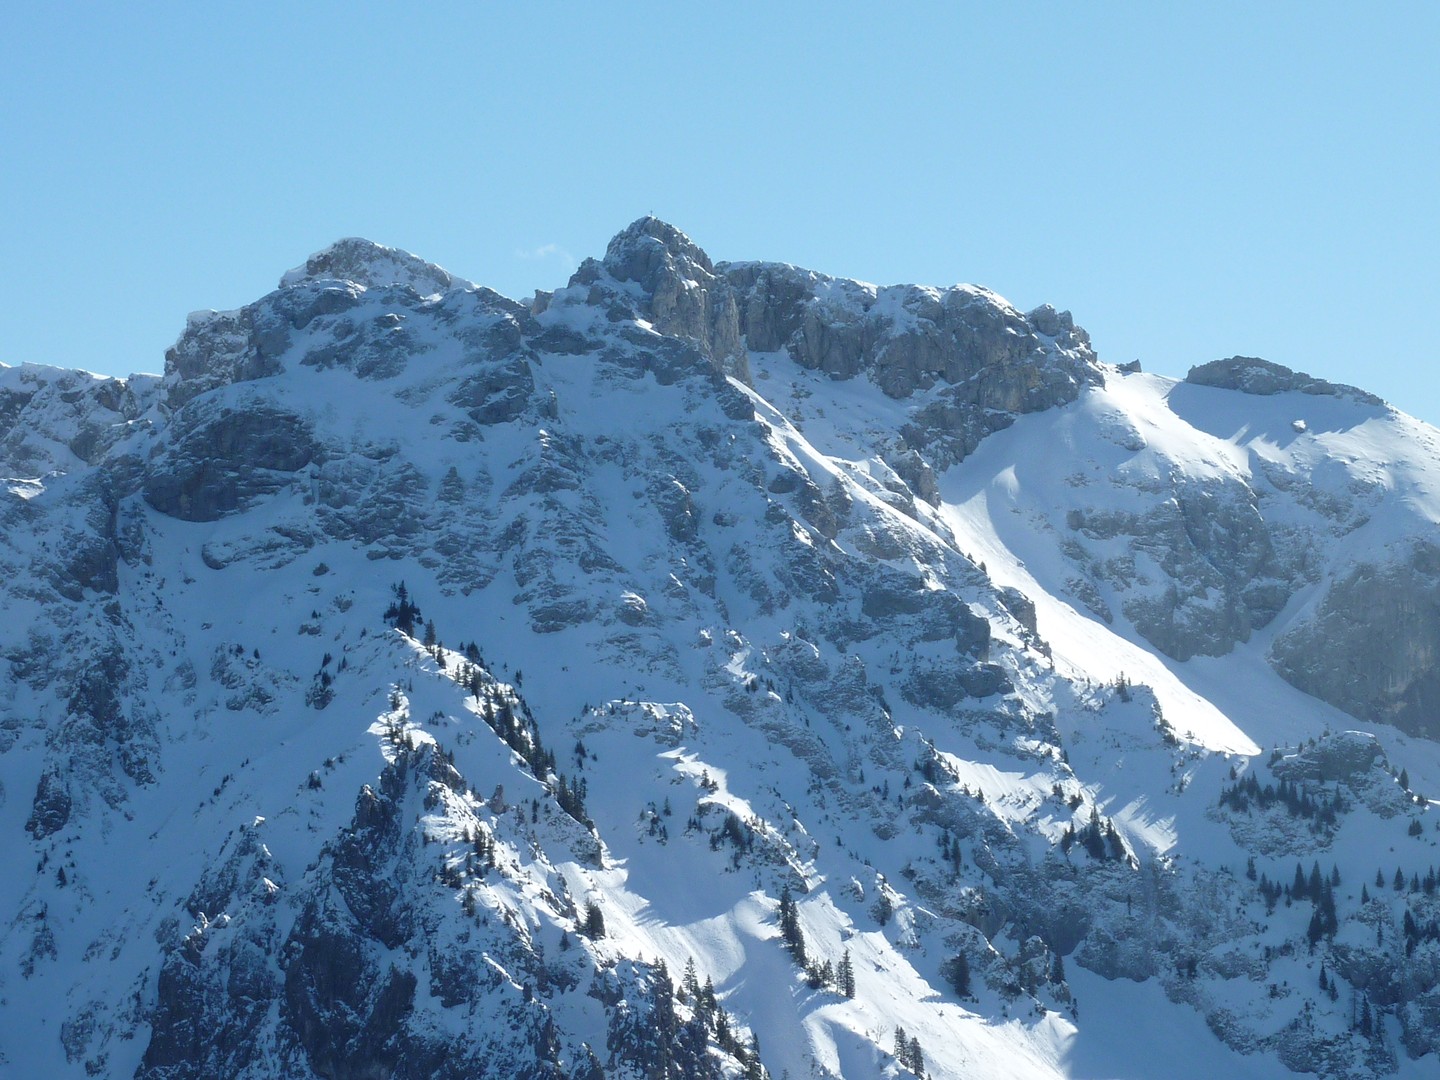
370, 265
646, 245
654, 272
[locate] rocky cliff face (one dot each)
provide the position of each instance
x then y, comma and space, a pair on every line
966, 359
705, 670
1371, 646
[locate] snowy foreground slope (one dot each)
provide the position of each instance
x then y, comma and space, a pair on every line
710, 670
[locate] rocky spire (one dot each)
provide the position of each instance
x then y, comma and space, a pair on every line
670, 283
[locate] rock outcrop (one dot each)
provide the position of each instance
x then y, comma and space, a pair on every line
968, 360
1251, 375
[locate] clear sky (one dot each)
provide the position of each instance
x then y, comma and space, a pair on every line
1191, 180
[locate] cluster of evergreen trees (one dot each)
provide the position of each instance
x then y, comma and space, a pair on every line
950, 850
519, 731
956, 971
403, 613
1316, 887
593, 925
1415, 883
476, 861
934, 768
1367, 1020
819, 972
321, 691
740, 835
1247, 792
1099, 839
1416, 932
909, 1053
652, 1037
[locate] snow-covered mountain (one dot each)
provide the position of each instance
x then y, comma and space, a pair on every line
710, 670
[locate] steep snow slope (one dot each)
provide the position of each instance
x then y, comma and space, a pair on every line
738, 588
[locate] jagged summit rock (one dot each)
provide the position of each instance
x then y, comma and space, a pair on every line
985, 359
653, 272
371, 265
636, 252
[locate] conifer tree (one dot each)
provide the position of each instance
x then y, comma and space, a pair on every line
847, 975
916, 1064
707, 997
594, 925
790, 932
691, 981
754, 1070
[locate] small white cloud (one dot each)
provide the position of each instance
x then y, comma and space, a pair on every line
547, 251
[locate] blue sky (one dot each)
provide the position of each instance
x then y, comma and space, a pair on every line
1192, 181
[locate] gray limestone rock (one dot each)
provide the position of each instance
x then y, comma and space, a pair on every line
1371, 646
498, 392
1251, 375
677, 508
89, 554
218, 348
202, 1026
52, 420
1021, 607
1346, 756
653, 271
859, 636
970, 361
223, 458
944, 686
51, 808
345, 1009
1222, 575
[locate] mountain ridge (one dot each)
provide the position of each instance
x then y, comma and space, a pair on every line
769, 621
